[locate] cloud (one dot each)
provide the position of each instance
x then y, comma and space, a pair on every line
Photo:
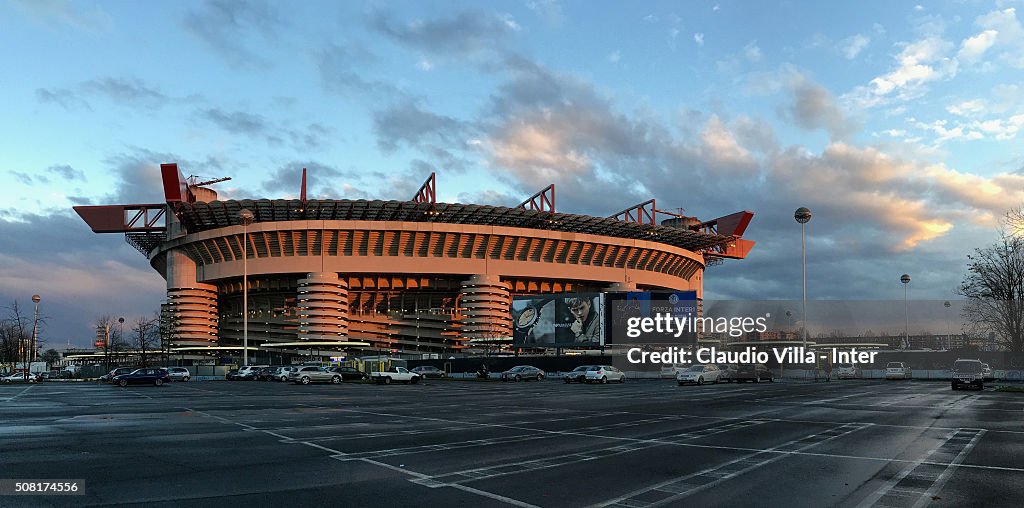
409, 124
699, 39
60, 13
1008, 35
915, 66
256, 126
853, 45
752, 52
237, 122
972, 48
615, 56
490, 197
27, 179
918, 63
118, 91
813, 107
337, 65
548, 10
121, 90
967, 108
322, 182
465, 34
62, 97
227, 27
66, 172
101, 274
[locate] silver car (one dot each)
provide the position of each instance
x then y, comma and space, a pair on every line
281, 374
604, 374
310, 374
179, 373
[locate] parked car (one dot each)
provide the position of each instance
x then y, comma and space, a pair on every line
523, 373
19, 377
116, 372
604, 373
350, 373
968, 373
232, 375
281, 373
428, 371
988, 374
311, 374
399, 374
266, 374
577, 375
250, 372
898, 370
755, 372
699, 374
728, 372
848, 371
179, 374
144, 376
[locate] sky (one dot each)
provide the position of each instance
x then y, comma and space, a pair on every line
897, 123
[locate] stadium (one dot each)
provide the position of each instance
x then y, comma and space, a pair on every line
418, 277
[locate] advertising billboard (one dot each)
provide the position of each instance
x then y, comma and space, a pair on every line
564, 320
651, 317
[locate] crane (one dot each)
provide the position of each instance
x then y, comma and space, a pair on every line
192, 181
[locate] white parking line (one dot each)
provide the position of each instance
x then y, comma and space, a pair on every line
946, 473
339, 455
19, 394
901, 488
681, 487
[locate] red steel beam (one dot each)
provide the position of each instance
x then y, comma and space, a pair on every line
730, 225
124, 218
639, 214
428, 191
543, 201
175, 185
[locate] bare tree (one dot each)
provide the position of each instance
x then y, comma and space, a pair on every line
17, 335
146, 335
994, 289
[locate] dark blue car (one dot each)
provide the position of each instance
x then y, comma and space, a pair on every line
144, 376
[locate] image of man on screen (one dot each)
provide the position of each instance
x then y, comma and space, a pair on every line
586, 325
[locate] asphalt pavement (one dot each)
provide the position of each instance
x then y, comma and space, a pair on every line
460, 443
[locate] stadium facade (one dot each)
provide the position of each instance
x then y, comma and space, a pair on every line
413, 276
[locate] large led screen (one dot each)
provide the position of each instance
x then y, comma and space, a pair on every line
651, 317
565, 320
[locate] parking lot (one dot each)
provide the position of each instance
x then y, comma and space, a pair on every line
451, 443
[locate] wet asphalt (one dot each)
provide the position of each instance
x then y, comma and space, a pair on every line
458, 443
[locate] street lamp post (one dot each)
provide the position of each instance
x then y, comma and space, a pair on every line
905, 279
949, 330
120, 329
246, 217
35, 326
803, 215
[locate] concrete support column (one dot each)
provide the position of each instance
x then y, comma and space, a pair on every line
323, 307
486, 307
191, 305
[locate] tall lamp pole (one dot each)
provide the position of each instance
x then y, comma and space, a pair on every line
35, 326
905, 279
246, 217
949, 330
120, 329
803, 215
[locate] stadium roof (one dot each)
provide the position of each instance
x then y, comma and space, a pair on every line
203, 216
